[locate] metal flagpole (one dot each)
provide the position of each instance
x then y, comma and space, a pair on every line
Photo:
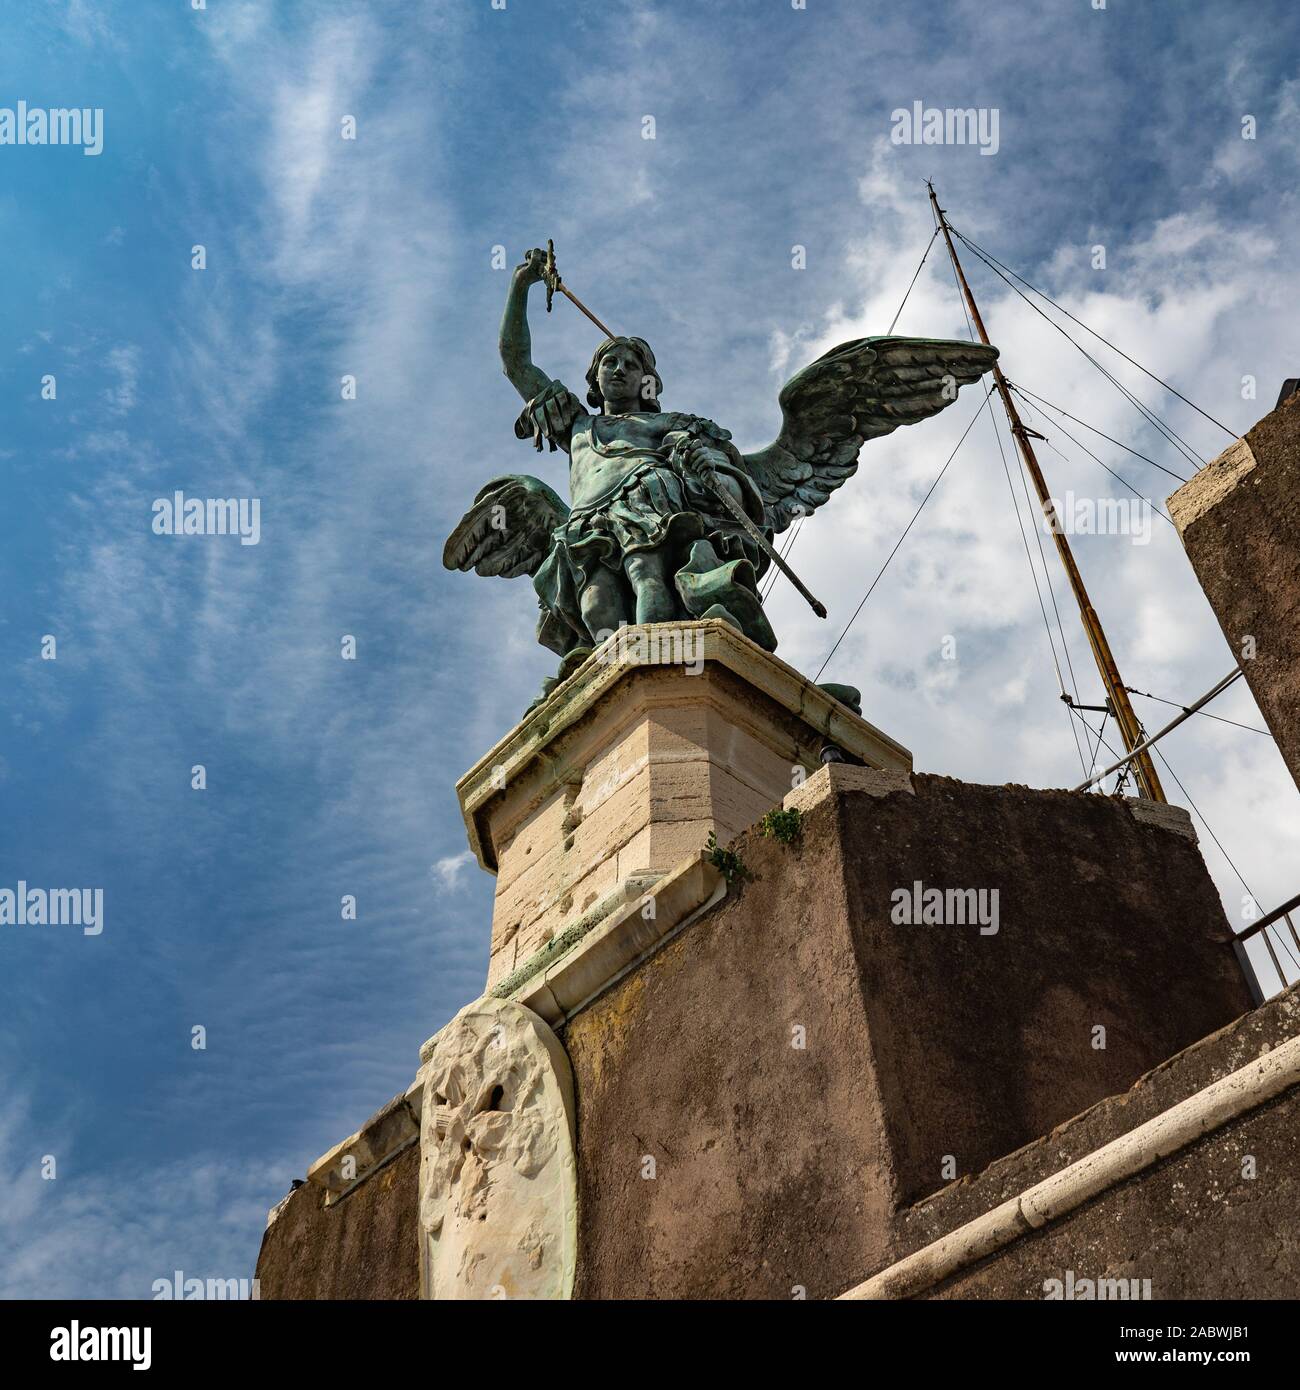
1117, 697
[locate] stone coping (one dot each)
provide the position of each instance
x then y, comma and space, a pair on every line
383, 1136
625, 653
874, 781
1208, 487
1163, 815
634, 886
557, 983
845, 777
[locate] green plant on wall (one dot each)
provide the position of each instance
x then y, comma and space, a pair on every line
785, 826
727, 862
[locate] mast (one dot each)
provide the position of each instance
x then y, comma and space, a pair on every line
1116, 696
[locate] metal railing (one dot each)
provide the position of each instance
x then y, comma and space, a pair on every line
1287, 939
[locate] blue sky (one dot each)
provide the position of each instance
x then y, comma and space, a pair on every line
479, 127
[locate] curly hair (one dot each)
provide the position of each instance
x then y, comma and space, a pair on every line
641, 350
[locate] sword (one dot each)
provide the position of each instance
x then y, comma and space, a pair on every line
710, 479
552, 281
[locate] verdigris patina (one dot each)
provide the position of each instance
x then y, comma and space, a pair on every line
654, 529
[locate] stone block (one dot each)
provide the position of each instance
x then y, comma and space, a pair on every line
1239, 519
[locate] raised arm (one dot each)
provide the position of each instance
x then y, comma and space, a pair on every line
516, 342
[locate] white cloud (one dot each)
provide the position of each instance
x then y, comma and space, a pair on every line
124, 362
89, 1233
449, 871
90, 25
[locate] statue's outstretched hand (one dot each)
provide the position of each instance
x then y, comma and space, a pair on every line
532, 269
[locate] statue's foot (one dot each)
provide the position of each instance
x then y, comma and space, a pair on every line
727, 616
727, 590
571, 661
548, 685
846, 694
568, 665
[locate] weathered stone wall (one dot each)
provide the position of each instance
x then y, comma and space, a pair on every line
1195, 1224
1192, 1226
778, 1167
761, 1149
1239, 518
364, 1246
984, 1043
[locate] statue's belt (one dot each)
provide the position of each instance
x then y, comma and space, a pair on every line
659, 462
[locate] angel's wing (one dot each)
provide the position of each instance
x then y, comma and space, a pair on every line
853, 393
508, 529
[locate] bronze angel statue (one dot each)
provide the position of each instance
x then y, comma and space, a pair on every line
667, 520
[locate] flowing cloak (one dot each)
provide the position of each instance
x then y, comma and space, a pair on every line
713, 562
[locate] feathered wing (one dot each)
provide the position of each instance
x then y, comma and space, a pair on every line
857, 391
508, 529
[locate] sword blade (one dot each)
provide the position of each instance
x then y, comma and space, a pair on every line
573, 299
742, 516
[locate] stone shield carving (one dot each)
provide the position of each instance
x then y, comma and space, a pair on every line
498, 1181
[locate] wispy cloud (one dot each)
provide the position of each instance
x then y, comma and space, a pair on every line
450, 870
70, 1230
124, 365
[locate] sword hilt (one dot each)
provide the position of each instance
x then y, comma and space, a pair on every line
550, 274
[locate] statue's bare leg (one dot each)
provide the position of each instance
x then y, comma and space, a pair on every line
648, 574
602, 603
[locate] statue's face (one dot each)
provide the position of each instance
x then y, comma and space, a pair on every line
621, 380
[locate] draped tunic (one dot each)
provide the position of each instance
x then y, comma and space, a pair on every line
652, 503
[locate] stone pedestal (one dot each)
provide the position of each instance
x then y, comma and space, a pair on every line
1239, 518
667, 734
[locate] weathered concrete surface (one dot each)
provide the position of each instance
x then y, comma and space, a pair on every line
983, 1043
760, 1149
1194, 1224
1239, 518
778, 1167
364, 1246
